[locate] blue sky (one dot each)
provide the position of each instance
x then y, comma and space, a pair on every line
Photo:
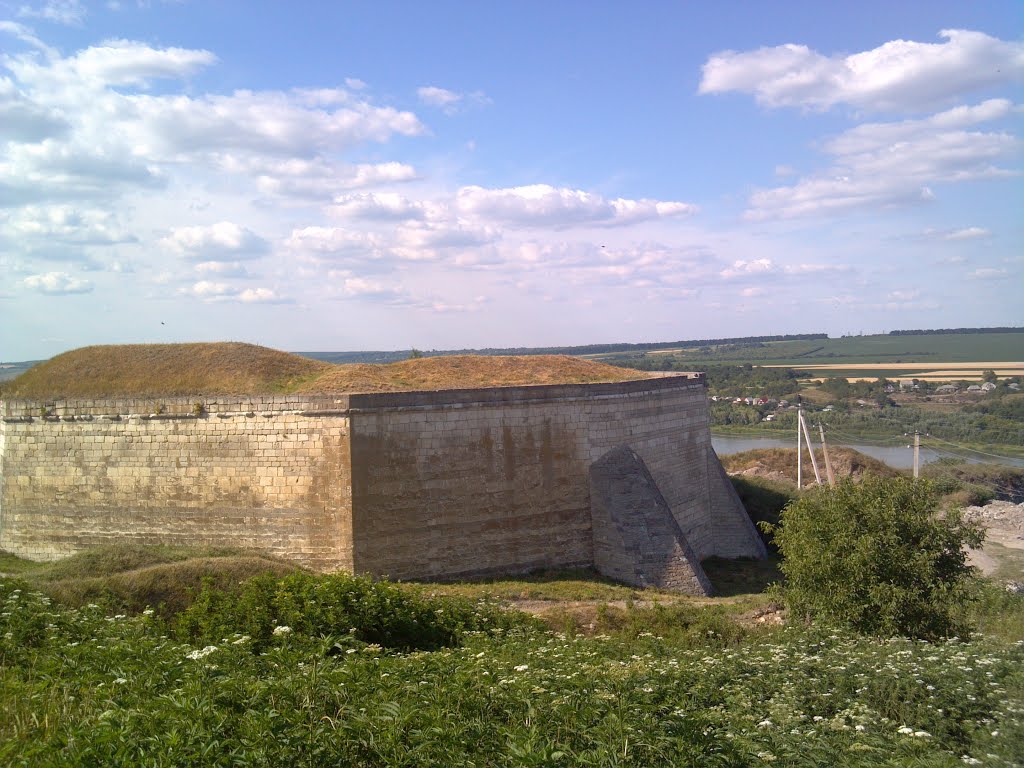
329, 176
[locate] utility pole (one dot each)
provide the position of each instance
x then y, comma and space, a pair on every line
917, 454
810, 449
799, 450
824, 449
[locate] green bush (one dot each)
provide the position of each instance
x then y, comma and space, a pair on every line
874, 556
350, 608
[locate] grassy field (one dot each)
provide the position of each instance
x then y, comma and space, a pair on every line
399, 678
878, 350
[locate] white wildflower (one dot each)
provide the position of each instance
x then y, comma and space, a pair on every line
522, 667
201, 653
282, 630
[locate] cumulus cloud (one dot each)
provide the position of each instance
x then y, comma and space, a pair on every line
85, 125
223, 241
57, 284
22, 120
64, 224
213, 291
364, 289
381, 206
334, 243
312, 178
541, 205
900, 75
885, 164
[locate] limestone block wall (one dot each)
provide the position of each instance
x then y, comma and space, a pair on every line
409, 485
470, 482
264, 473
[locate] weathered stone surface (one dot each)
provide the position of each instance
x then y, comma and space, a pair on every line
636, 538
406, 484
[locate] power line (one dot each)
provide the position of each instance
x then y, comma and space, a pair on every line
972, 450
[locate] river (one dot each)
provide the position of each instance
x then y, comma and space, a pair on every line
899, 456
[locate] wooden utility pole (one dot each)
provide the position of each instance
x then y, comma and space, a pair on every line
824, 450
810, 449
799, 450
917, 454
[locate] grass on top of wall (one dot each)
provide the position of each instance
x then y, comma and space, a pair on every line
143, 370
232, 368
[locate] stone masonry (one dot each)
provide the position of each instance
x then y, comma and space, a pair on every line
411, 485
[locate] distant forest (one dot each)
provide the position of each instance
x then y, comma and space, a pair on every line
948, 331
586, 349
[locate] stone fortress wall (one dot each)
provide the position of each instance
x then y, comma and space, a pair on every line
410, 485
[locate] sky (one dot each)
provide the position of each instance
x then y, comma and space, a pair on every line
444, 175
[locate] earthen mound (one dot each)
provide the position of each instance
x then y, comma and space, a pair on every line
466, 372
231, 368
780, 464
141, 370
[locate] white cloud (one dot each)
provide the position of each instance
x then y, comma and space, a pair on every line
744, 268
223, 269
334, 242
447, 101
885, 164
57, 284
212, 291
224, 241
381, 206
987, 273
438, 97
900, 75
262, 296
70, 12
373, 290
541, 205
83, 126
63, 224
315, 178
968, 233
22, 120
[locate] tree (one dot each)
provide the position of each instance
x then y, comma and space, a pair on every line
876, 557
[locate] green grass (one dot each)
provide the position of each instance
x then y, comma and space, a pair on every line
666, 686
1009, 562
16, 566
583, 584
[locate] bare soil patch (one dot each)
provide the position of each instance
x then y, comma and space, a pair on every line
1002, 554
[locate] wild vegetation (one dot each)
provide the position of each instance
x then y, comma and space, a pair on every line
659, 686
